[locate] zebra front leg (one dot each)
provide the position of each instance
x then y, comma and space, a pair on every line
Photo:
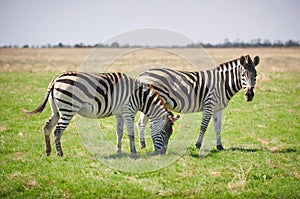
207, 112
218, 125
120, 126
141, 129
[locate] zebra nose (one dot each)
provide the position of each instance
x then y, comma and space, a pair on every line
249, 94
249, 89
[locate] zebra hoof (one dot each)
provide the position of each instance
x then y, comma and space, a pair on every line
198, 145
220, 147
119, 151
143, 144
48, 152
163, 151
59, 153
133, 156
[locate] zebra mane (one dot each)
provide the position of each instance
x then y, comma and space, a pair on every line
171, 116
151, 89
230, 64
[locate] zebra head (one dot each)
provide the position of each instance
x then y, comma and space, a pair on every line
148, 101
167, 129
248, 75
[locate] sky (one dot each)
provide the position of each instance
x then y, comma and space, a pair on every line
39, 22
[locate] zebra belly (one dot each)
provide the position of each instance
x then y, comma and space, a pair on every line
183, 109
87, 110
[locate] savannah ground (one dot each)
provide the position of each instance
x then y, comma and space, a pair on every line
261, 138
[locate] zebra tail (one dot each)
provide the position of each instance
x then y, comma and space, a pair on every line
38, 109
43, 104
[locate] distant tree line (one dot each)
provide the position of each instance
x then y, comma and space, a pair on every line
226, 44
253, 43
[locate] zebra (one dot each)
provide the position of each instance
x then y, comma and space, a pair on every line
208, 91
149, 102
98, 96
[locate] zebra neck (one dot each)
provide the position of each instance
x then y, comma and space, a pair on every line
148, 101
231, 74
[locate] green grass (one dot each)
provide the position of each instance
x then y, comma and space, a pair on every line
261, 159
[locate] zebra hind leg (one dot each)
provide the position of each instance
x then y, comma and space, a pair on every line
218, 125
59, 129
205, 121
47, 129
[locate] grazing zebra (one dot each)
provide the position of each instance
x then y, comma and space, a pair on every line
148, 101
208, 91
98, 96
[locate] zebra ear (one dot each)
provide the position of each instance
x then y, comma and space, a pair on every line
243, 61
256, 60
174, 118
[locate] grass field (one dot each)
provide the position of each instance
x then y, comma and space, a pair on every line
261, 138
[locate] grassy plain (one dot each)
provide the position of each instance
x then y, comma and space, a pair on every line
261, 138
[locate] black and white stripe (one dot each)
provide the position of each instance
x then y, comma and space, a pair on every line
98, 96
149, 102
208, 91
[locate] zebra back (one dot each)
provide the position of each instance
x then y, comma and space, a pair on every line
93, 95
182, 91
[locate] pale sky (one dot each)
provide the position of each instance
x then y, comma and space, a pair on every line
39, 22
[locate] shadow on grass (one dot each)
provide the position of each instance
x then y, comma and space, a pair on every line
145, 155
288, 150
194, 152
244, 149
252, 150
116, 156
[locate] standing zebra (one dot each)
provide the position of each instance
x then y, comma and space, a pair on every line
102, 95
208, 91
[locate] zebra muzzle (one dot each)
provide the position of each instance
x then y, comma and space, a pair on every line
162, 151
249, 95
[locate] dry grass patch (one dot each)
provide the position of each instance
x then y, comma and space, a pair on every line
65, 59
